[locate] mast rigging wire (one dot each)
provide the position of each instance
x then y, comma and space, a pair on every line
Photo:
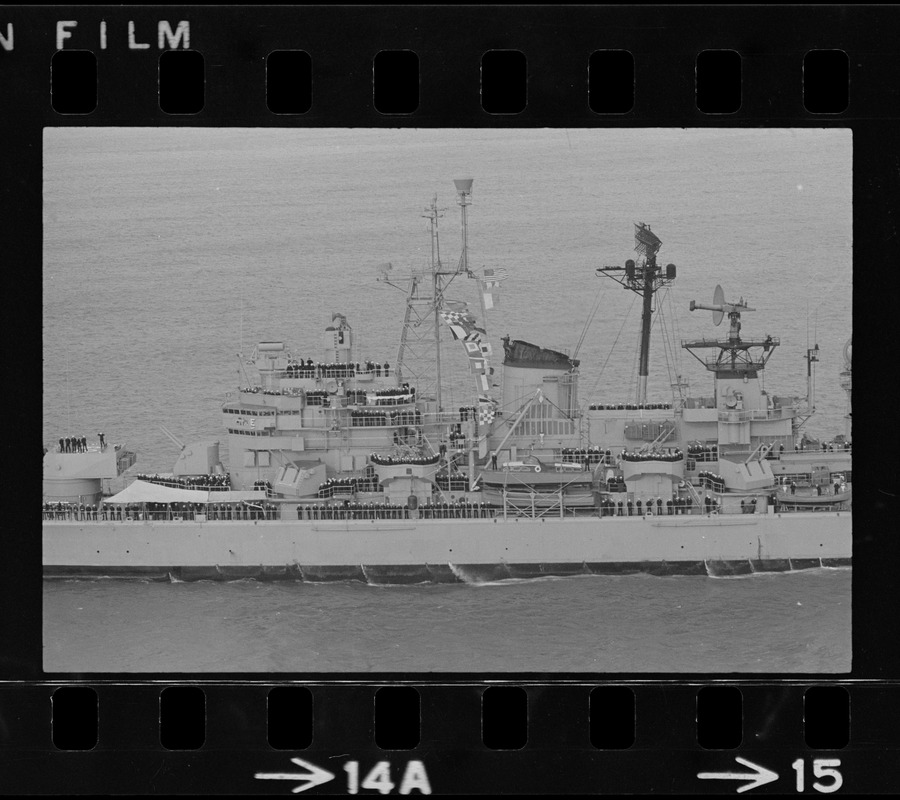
668, 345
593, 388
634, 368
588, 322
670, 297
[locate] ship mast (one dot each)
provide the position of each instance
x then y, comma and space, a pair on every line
846, 385
418, 358
644, 278
425, 301
464, 199
436, 268
812, 357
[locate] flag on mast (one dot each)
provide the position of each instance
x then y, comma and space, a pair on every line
490, 285
464, 327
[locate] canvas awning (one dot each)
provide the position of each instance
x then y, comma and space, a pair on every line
145, 492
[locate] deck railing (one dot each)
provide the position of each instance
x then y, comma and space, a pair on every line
353, 511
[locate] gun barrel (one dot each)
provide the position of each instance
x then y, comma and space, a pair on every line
172, 436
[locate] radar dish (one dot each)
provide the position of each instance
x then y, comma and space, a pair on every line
718, 300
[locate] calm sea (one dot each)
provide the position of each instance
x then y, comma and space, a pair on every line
169, 251
790, 622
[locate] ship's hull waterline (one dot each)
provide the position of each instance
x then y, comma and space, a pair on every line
411, 551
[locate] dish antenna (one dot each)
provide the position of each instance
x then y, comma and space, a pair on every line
720, 308
718, 300
735, 355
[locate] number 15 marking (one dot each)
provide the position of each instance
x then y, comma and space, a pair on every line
822, 768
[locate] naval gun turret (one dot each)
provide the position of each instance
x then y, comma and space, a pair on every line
77, 476
196, 458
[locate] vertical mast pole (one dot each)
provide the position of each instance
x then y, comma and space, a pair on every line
464, 198
437, 289
812, 356
846, 382
646, 319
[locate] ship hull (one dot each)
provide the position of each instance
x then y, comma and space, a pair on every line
438, 551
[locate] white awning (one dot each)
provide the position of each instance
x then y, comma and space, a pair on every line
145, 492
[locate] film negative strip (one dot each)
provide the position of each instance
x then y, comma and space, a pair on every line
361, 472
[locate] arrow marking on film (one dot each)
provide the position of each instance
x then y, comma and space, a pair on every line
759, 777
314, 777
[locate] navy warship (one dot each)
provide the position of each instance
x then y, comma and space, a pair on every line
344, 468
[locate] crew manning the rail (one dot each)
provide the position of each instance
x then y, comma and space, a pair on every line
73, 444
78, 444
129, 512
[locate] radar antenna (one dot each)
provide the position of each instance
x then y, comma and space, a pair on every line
720, 308
735, 355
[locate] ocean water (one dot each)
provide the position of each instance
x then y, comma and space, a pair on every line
785, 622
169, 251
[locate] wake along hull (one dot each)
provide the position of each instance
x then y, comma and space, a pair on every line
446, 551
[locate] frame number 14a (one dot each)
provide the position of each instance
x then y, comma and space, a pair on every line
379, 778
306, 775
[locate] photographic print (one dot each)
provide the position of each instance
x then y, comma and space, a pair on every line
447, 400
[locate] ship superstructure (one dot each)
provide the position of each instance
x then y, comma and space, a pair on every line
328, 436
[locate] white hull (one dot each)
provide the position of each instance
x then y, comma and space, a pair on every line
405, 551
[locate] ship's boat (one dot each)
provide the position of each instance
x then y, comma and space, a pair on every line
556, 485
812, 500
345, 466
